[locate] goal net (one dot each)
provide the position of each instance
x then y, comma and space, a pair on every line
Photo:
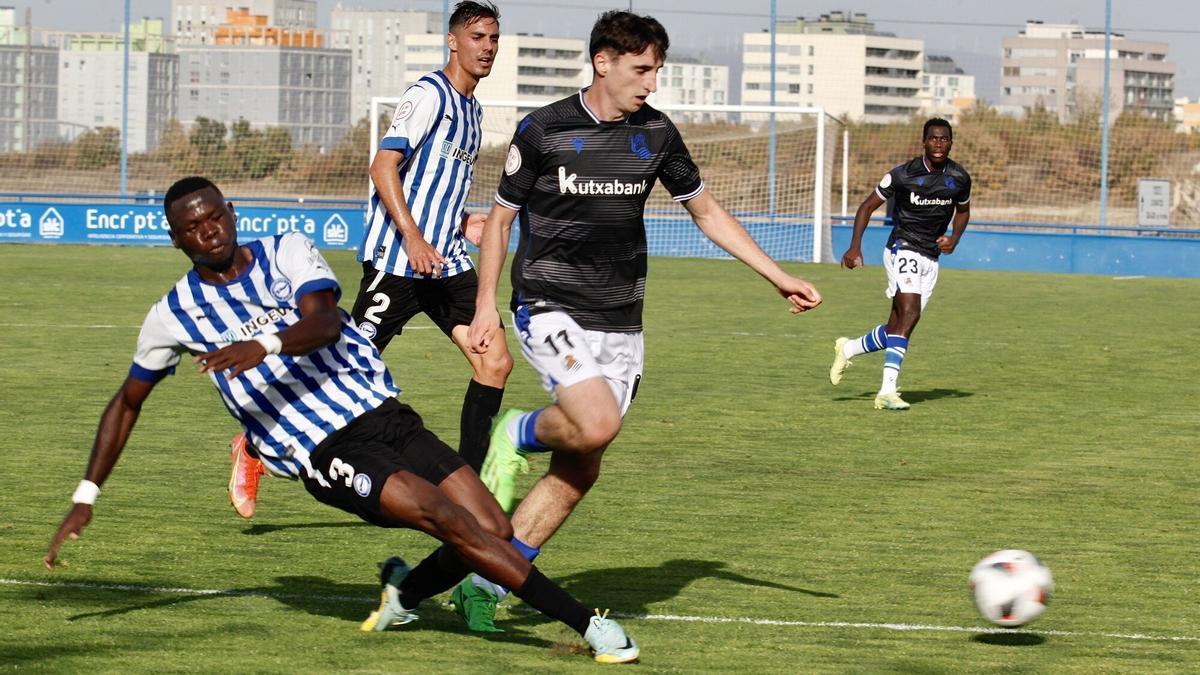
769, 166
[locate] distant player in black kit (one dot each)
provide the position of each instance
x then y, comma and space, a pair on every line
579, 172
930, 192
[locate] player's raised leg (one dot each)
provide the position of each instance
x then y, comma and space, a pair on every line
845, 349
577, 429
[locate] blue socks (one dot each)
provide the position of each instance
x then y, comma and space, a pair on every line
528, 552
523, 435
897, 346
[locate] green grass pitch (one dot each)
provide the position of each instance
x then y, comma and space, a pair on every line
750, 516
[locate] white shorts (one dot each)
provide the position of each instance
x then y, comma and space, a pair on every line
565, 354
910, 272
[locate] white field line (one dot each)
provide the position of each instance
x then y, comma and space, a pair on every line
1130, 277
907, 627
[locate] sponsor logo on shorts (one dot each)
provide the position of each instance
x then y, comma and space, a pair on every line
367, 329
362, 484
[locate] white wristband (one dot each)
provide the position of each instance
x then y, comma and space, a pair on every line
270, 342
86, 493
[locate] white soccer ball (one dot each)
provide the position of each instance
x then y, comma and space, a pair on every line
1011, 587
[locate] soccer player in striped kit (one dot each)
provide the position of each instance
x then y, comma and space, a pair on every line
414, 253
318, 403
929, 193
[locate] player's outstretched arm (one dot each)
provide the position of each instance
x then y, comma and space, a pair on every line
115, 425
320, 324
962, 214
385, 174
853, 256
493, 249
725, 231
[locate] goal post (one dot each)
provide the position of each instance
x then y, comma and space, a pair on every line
785, 204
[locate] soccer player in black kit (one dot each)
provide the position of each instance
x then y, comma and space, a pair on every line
930, 192
579, 172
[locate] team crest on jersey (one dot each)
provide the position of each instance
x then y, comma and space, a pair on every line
639, 147
949, 182
367, 329
281, 288
362, 484
578, 143
513, 163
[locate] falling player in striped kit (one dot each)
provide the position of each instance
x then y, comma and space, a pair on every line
930, 192
316, 400
414, 253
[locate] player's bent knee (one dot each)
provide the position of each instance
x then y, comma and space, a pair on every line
598, 433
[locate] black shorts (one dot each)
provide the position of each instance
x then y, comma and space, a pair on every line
355, 461
386, 302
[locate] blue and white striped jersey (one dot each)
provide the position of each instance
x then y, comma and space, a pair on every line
288, 404
439, 131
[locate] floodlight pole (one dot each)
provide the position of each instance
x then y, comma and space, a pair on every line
771, 140
125, 108
1104, 113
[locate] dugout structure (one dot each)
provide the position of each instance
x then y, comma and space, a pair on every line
770, 166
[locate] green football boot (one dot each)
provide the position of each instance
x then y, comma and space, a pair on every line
476, 606
503, 462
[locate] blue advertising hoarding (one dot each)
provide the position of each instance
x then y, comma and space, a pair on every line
145, 224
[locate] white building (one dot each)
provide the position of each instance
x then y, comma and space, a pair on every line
946, 90
1061, 67
532, 68
193, 20
376, 38
304, 90
91, 69
686, 81
839, 63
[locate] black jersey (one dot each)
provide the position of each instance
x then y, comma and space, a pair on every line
923, 202
581, 186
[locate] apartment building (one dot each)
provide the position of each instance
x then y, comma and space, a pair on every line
1061, 67
838, 62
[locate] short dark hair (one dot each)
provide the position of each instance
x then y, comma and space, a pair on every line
468, 12
184, 187
936, 122
628, 33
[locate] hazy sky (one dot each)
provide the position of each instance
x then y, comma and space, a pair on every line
968, 30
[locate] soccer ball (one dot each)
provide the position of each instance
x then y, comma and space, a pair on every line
1011, 587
